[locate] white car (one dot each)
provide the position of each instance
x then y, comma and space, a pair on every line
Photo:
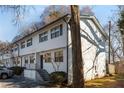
5, 73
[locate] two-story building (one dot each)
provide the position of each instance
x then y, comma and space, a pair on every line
6, 58
49, 48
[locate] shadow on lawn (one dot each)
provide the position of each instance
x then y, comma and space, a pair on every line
115, 81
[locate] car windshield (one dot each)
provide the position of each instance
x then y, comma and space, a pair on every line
2, 67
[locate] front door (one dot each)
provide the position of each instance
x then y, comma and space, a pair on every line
41, 61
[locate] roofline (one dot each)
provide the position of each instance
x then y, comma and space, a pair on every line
40, 28
95, 20
97, 23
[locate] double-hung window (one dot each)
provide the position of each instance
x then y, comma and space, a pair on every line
47, 57
22, 45
43, 37
29, 42
32, 59
26, 60
56, 31
58, 56
16, 48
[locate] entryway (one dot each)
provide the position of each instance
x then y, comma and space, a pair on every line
41, 61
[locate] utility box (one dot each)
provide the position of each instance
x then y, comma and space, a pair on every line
111, 68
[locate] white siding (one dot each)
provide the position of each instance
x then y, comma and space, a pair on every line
46, 45
52, 67
89, 51
92, 67
40, 47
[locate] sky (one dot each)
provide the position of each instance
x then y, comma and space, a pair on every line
8, 30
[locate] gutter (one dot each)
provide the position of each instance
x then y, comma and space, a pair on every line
18, 52
67, 28
42, 27
97, 23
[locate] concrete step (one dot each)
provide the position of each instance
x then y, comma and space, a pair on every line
44, 74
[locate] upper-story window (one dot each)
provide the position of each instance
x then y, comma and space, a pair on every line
43, 37
16, 48
29, 42
56, 31
22, 45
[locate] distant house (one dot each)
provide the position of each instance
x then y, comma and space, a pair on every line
6, 58
49, 48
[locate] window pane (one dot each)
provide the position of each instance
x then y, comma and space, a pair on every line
32, 59
26, 60
58, 56
29, 42
23, 45
47, 57
61, 29
43, 37
56, 31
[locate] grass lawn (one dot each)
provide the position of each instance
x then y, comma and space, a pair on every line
115, 81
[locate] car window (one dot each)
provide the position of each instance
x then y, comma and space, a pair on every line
1, 69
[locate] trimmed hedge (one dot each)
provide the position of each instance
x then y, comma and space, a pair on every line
59, 76
17, 70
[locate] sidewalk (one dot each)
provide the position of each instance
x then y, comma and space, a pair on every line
20, 82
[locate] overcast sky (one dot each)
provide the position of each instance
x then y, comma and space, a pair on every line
8, 30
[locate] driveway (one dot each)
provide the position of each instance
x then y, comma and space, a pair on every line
20, 82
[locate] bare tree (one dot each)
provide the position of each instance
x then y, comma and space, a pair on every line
86, 10
53, 12
115, 42
18, 12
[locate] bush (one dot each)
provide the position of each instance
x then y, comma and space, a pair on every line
59, 77
17, 70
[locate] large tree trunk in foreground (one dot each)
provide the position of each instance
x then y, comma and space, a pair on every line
78, 79
123, 44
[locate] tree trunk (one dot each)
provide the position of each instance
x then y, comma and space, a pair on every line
123, 44
78, 77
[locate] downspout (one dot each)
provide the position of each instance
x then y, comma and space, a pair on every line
2, 58
18, 53
67, 44
2, 55
21, 61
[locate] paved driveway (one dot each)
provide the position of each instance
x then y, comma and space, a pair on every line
20, 82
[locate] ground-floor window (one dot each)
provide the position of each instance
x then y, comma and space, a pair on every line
47, 57
58, 56
26, 60
18, 62
14, 61
32, 59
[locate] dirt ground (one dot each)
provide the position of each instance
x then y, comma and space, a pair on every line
115, 81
